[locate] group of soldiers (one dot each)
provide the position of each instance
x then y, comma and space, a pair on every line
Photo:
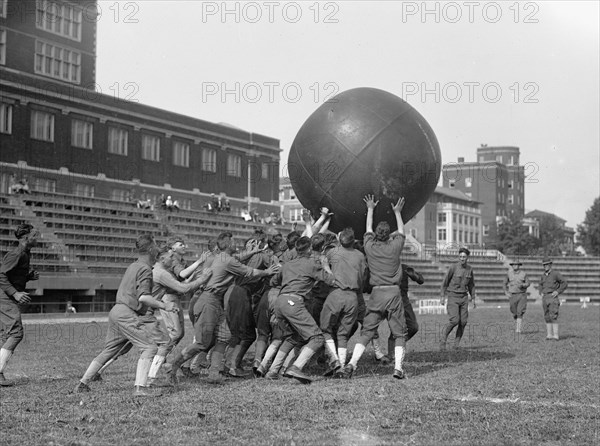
291, 297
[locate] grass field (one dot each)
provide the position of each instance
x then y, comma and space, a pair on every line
497, 389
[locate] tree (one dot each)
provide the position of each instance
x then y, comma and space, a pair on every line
588, 232
514, 238
552, 235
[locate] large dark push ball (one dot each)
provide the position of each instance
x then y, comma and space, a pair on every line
364, 141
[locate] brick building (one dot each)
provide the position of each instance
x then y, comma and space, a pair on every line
496, 180
64, 136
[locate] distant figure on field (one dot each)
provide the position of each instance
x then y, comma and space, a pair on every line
552, 284
515, 288
459, 285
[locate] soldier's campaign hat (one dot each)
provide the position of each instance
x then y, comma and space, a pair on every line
515, 262
546, 260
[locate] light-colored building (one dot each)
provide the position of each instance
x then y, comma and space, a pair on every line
291, 208
449, 218
568, 240
532, 225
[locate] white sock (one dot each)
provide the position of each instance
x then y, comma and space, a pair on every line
555, 331
141, 374
91, 372
378, 353
4, 357
330, 348
304, 356
157, 362
278, 362
342, 355
290, 358
399, 357
270, 353
359, 349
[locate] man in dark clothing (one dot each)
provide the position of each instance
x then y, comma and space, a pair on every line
297, 278
210, 325
552, 284
15, 272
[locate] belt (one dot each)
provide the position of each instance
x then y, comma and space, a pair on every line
217, 295
385, 286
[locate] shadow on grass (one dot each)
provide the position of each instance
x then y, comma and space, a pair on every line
427, 362
570, 336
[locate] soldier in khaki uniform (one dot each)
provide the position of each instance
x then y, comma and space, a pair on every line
515, 288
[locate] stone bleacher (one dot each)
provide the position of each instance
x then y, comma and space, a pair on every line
87, 243
582, 274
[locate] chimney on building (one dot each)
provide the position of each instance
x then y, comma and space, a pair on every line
461, 159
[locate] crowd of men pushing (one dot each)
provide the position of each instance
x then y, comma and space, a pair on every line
259, 295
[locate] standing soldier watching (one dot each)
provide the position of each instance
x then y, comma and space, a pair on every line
552, 284
515, 288
459, 284
15, 272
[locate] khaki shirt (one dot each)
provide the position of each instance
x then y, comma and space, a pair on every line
516, 282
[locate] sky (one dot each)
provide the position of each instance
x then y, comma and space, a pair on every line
522, 74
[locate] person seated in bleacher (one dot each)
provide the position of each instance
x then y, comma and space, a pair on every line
19, 187
215, 203
227, 205
246, 215
25, 186
169, 203
162, 201
144, 204
70, 309
14, 187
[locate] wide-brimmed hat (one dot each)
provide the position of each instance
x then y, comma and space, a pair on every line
515, 262
546, 260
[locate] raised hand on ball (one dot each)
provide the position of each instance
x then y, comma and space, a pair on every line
399, 205
370, 201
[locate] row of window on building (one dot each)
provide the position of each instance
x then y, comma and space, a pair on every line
60, 18
57, 17
510, 184
511, 160
51, 60
458, 235
468, 220
42, 128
